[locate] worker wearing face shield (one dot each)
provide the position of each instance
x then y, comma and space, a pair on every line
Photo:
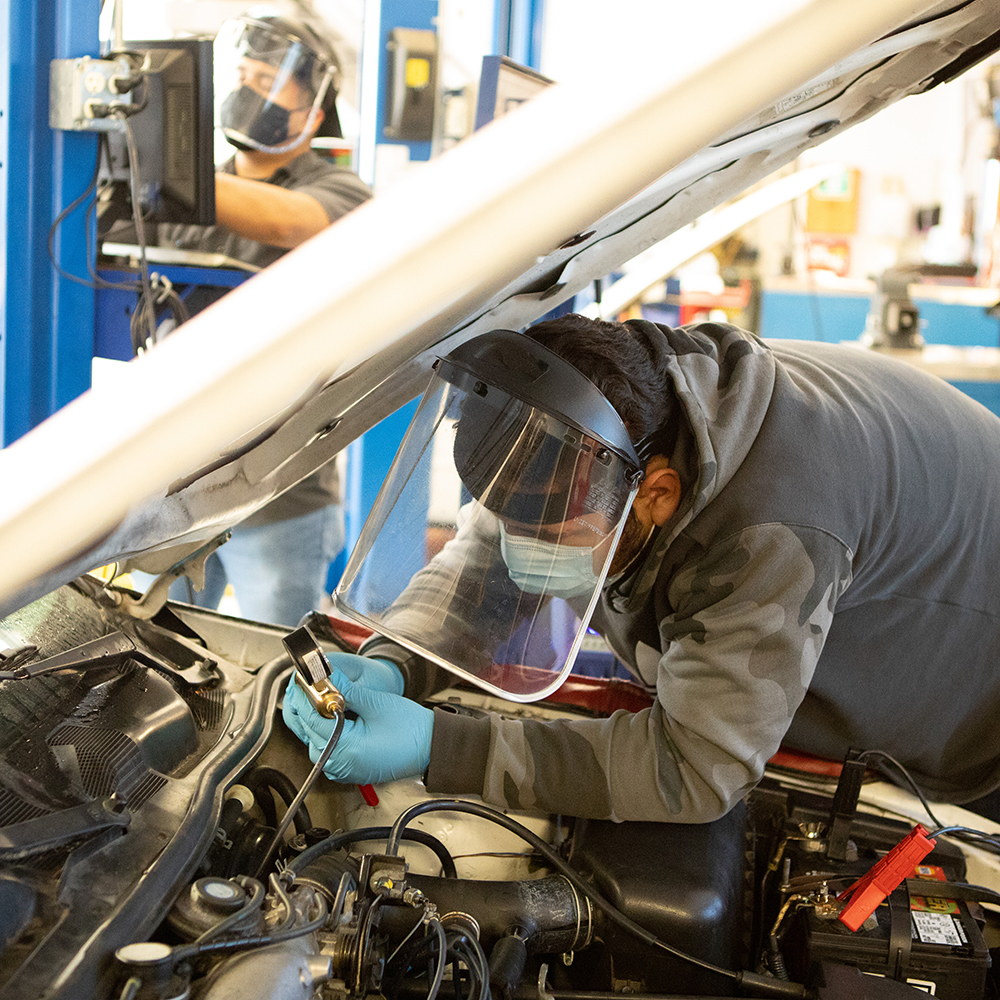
787, 544
276, 83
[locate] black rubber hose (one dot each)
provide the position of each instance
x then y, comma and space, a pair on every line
507, 961
262, 796
338, 840
262, 780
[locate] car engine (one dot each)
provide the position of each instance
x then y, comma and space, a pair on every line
155, 843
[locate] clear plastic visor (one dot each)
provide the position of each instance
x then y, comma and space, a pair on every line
489, 542
269, 87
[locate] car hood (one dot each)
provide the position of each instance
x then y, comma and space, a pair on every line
271, 382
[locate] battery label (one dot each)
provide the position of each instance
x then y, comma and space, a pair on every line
937, 928
932, 904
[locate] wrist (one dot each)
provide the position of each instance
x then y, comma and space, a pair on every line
459, 752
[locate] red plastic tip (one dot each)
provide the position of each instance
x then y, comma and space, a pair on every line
869, 890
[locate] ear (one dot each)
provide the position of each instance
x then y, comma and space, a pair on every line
659, 493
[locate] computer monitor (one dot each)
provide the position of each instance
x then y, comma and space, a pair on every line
173, 135
504, 84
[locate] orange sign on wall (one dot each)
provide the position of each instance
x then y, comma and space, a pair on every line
832, 206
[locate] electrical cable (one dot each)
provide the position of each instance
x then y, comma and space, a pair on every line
971, 836
66, 212
440, 949
338, 840
139, 78
442, 958
164, 290
145, 310
977, 838
98, 281
744, 977
456, 979
402, 944
907, 777
470, 951
478, 964
367, 920
140, 235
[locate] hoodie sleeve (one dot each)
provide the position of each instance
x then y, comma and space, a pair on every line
739, 649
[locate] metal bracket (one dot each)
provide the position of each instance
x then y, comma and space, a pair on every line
384, 874
193, 567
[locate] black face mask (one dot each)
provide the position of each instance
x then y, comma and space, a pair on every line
245, 112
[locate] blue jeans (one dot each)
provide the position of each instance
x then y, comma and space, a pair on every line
278, 571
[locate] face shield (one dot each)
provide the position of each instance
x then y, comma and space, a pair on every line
270, 83
488, 545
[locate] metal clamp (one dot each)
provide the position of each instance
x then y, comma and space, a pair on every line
312, 672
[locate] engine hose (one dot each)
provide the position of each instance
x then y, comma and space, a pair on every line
285, 900
298, 864
261, 781
438, 949
551, 915
293, 806
745, 980
507, 961
775, 959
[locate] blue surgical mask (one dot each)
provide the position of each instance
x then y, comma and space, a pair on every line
540, 567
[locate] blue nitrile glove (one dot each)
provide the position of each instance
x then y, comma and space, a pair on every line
375, 674
369, 672
390, 738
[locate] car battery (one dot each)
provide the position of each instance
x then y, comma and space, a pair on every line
932, 943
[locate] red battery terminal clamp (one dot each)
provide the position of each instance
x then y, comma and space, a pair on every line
885, 875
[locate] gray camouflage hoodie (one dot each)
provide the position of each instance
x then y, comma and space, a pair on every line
827, 582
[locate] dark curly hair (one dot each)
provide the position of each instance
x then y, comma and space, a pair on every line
624, 361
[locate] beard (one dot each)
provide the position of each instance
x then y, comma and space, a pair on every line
633, 540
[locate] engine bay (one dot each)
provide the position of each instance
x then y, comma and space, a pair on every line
155, 843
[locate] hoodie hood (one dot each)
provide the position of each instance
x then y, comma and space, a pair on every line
722, 378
